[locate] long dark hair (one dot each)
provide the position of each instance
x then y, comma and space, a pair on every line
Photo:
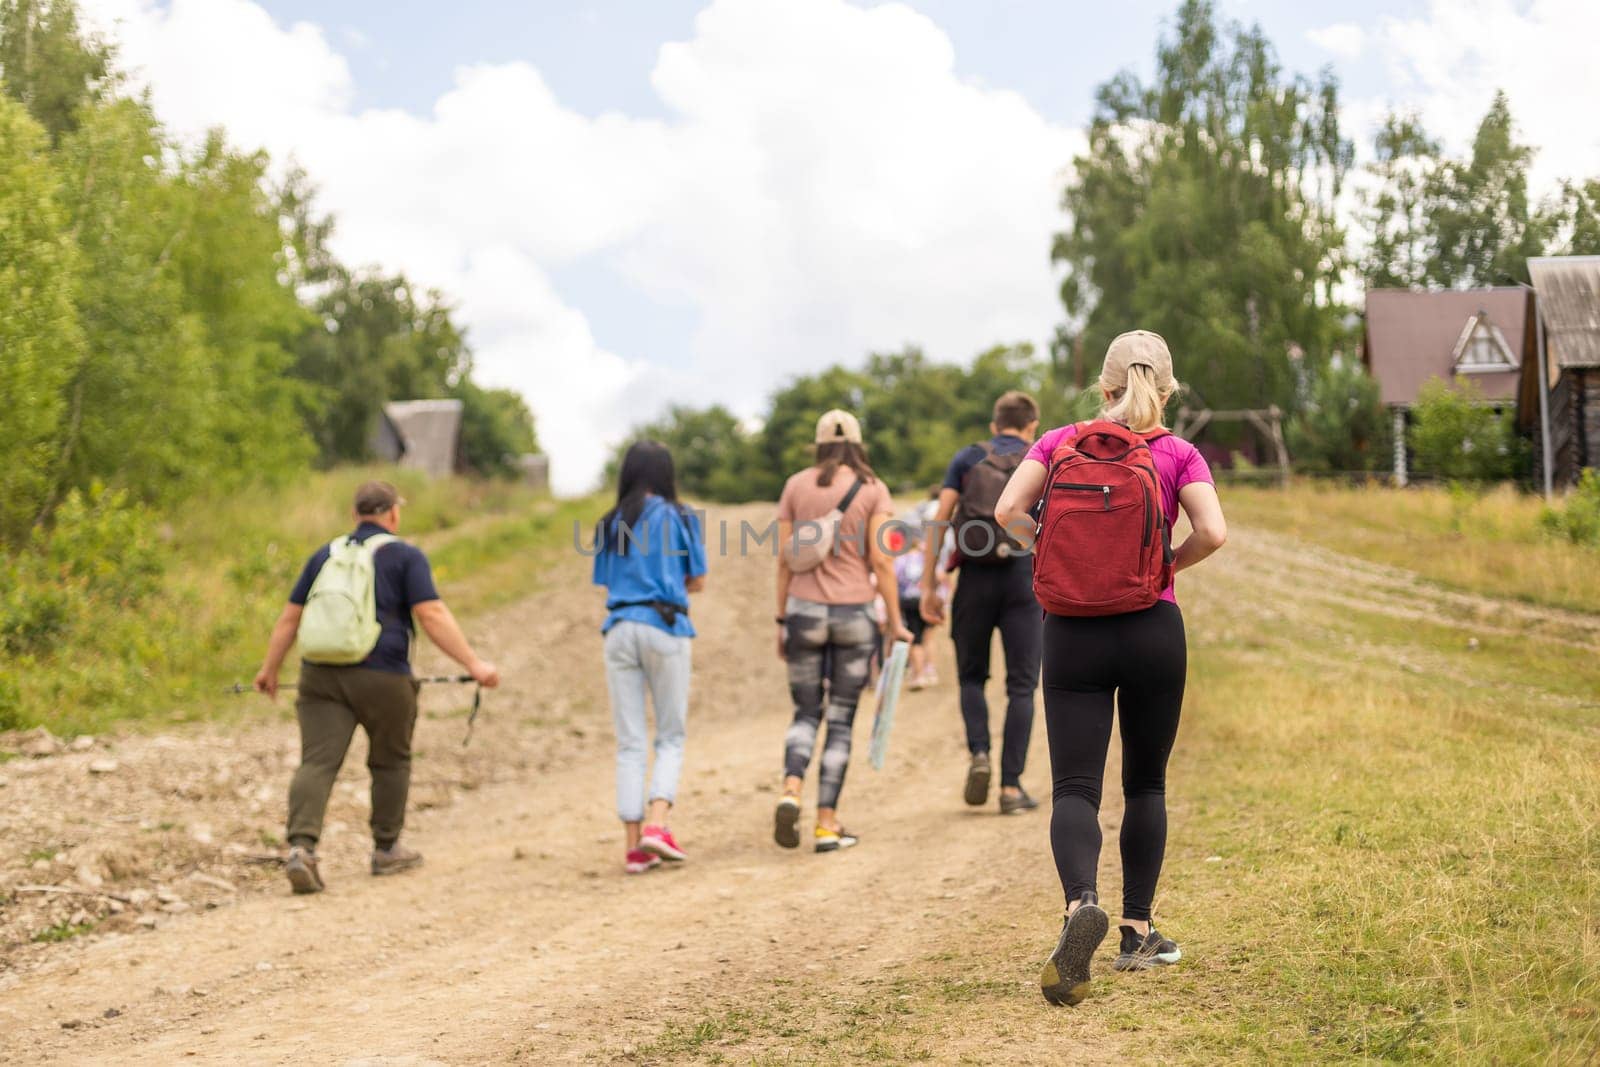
646, 468
836, 454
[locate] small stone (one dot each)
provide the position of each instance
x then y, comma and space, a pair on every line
110, 1013
103, 766
71, 1024
1472, 644
83, 742
38, 743
197, 991
88, 876
518, 854
41, 865
139, 897
201, 833
116, 907
264, 966
1213, 859
147, 921
165, 895
175, 907
79, 917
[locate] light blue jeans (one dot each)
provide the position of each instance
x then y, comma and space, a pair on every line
641, 657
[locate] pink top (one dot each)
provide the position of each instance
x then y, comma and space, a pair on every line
1177, 464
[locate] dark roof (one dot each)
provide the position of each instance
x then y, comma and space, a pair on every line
1413, 336
1569, 299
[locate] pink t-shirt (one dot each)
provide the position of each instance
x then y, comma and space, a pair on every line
1177, 464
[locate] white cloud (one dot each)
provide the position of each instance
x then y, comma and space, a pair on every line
1343, 39
825, 185
1448, 62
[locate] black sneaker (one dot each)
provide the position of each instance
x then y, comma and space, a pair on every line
1011, 805
1066, 973
1140, 952
978, 774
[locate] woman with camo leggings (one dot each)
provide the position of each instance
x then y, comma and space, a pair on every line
826, 629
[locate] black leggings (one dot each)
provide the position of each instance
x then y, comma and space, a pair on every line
1141, 659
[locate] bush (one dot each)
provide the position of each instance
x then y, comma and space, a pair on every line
1578, 520
1342, 425
1458, 438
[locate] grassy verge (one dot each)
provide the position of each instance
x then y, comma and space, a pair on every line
1486, 543
225, 568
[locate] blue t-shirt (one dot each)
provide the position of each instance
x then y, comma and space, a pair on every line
665, 548
1003, 443
402, 579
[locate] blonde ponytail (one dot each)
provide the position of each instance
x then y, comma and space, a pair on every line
1139, 401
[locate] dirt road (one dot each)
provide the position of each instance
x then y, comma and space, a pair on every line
520, 940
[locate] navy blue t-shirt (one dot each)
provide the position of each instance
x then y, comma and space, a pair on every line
402, 579
1003, 443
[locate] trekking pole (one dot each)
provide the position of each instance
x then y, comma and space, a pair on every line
439, 679
442, 679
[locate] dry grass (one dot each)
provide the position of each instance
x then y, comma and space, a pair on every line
1486, 543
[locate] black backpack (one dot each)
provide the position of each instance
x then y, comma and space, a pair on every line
979, 538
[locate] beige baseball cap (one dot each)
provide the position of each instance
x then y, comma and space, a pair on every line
1136, 347
838, 425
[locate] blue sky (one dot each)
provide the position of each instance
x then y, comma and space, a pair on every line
598, 54
632, 204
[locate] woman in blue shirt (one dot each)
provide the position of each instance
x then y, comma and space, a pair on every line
650, 555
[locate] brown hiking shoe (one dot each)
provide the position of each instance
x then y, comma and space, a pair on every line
394, 859
302, 871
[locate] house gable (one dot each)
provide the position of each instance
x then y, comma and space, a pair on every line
1482, 348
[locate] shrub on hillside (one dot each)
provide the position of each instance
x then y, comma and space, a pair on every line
1578, 520
1457, 437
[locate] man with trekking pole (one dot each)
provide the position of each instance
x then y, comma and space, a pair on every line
351, 611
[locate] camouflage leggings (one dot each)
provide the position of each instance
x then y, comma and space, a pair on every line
830, 643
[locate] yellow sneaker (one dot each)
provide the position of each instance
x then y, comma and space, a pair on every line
829, 840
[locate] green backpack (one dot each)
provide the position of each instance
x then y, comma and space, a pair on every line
339, 625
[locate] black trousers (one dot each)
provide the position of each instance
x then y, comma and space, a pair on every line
990, 598
1139, 661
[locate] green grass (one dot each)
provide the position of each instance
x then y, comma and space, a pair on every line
229, 564
62, 931
1490, 543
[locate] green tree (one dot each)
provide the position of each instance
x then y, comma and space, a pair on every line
232, 261
39, 336
710, 451
377, 339
1341, 425
142, 396
1205, 210
496, 428
1396, 216
1483, 225
47, 64
1455, 435
1577, 217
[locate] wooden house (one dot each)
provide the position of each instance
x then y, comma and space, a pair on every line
420, 434
1482, 336
1568, 289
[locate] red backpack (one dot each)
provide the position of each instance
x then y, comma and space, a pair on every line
1104, 546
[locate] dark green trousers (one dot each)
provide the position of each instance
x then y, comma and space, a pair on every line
331, 703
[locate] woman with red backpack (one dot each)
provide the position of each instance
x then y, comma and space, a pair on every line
1113, 637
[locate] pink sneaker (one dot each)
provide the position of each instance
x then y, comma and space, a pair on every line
639, 861
658, 841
